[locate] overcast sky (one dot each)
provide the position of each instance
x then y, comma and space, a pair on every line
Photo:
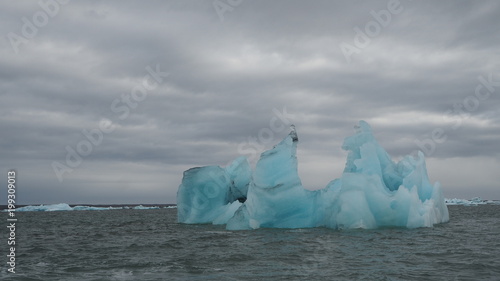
110, 101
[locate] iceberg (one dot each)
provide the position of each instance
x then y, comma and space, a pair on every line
92, 208
373, 191
473, 202
66, 207
45, 208
140, 207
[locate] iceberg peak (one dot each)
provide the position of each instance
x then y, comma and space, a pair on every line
363, 127
373, 191
293, 133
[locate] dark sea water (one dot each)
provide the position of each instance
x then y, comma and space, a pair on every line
151, 245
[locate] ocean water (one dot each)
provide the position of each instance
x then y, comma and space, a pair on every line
151, 245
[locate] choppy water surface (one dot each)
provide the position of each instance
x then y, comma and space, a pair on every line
150, 245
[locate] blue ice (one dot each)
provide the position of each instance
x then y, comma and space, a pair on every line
372, 192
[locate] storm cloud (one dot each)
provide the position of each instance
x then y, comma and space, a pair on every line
141, 91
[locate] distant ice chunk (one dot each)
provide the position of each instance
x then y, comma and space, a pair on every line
92, 208
66, 207
45, 208
372, 192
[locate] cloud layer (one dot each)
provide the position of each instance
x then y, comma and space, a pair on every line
420, 72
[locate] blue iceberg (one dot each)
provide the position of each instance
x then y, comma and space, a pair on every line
372, 192
212, 194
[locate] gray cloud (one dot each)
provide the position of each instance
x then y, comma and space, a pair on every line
227, 77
